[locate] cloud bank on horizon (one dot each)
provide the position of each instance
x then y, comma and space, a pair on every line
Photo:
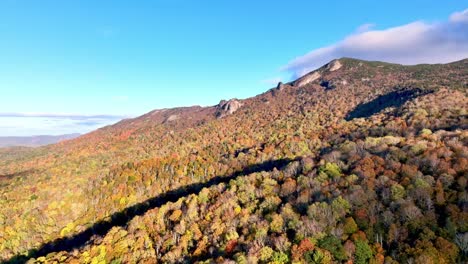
29, 124
413, 43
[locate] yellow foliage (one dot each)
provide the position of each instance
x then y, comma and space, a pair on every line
237, 210
67, 229
175, 216
9, 231
53, 205
101, 258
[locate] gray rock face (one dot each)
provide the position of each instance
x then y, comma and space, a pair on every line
226, 108
317, 74
334, 65
308, 78
172, 118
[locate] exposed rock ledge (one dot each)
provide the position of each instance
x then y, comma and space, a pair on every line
334, 65
226, 108
280, 86
308, 78
317, 74
172, 118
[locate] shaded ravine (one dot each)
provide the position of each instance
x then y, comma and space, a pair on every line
123, 217
392, 99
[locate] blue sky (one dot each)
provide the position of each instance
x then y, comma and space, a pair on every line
63, 59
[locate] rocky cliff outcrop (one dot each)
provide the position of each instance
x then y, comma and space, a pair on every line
308, 78
334, 65
226, 108
317, 74
280, 86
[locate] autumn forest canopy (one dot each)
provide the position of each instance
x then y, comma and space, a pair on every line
355, 162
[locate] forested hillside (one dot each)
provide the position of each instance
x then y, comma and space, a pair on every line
357, 161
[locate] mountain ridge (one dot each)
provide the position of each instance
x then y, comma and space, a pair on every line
109, 170
347, 60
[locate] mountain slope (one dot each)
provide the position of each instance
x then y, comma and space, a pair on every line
355, 160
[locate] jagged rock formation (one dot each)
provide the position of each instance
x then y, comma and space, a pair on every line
280, 86
308, 78
317, 74
334, 65
226, 108
172, 118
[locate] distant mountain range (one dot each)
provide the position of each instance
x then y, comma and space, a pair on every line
34, 141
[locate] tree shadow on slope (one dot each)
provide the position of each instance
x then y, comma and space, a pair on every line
392, 99
6, 179
123, 217
16, 174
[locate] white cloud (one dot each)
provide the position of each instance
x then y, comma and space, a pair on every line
459, 16
413, 43
29, 124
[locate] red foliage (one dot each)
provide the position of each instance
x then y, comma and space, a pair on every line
231, 245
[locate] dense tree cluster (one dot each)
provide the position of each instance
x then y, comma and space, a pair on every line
389, 187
